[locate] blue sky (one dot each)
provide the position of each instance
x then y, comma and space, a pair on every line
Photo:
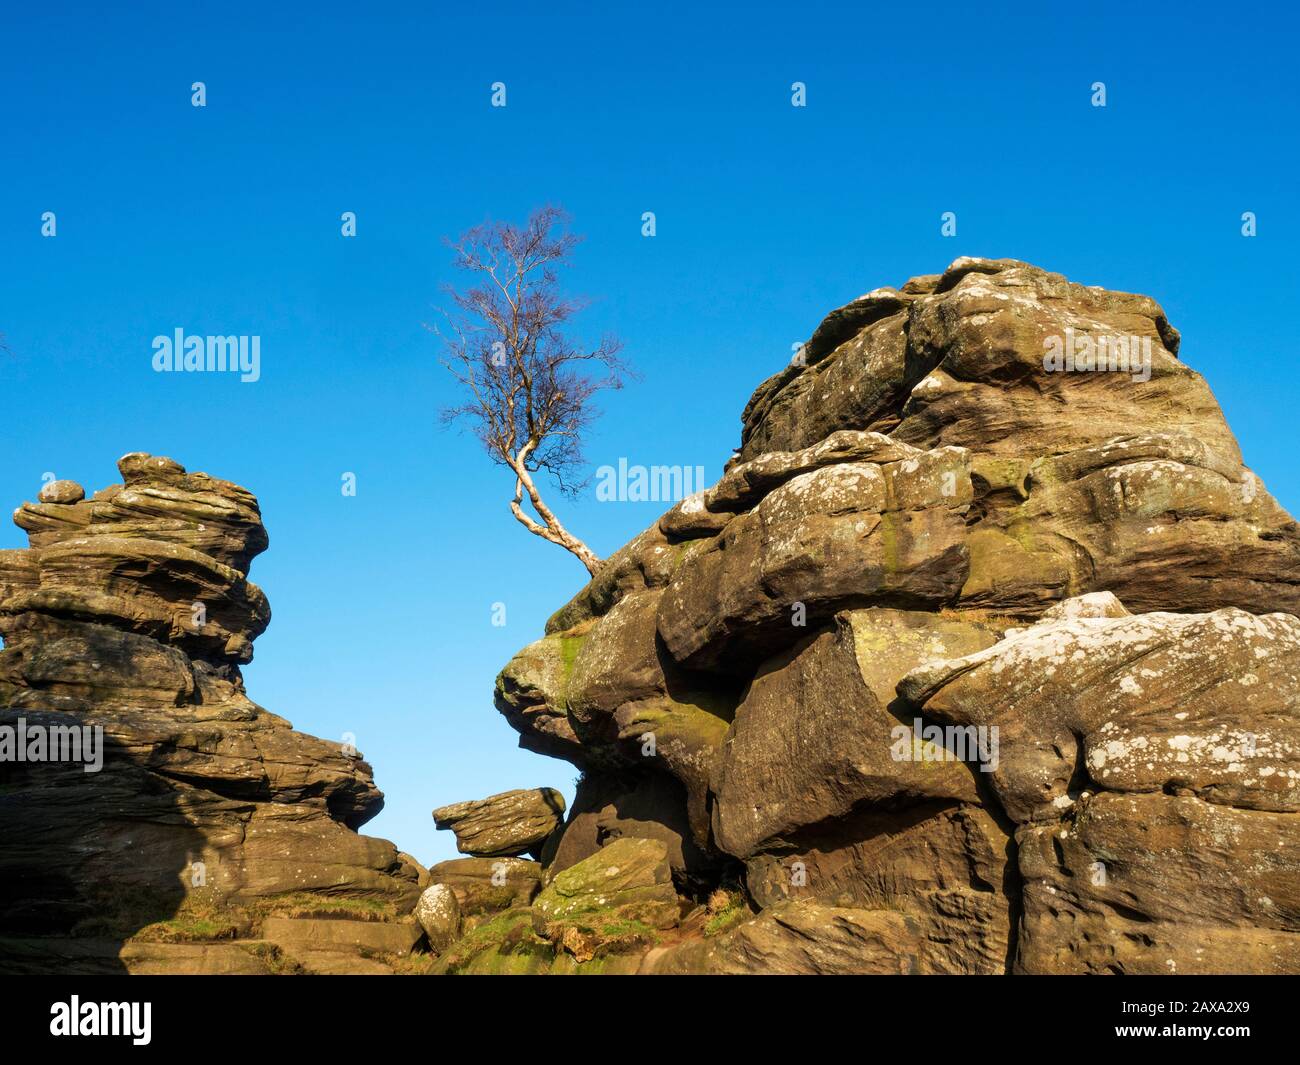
225, 219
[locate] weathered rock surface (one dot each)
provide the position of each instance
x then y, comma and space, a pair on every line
438, 912
609, 807
974, 661
1202, 702
800, 939
132, 612
616, 898
504, 825
776, 775
486, 885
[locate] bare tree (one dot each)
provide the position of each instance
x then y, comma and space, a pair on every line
529, 385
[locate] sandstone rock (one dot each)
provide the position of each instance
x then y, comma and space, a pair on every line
1091, 605
132, 612
294, 934
779, 772
942, 865
486, 885
508, 824
1159, 884
1202, 702
439, 915
952, 629
625, 886
1160, 520
963, 364
421, 873
607, 696
612, 807
839, 536
800, 939
530, 693
62, 492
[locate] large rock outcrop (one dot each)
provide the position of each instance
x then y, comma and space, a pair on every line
211, 821
981, 657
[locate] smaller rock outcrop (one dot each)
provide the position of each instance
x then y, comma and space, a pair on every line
504, 825
213, 837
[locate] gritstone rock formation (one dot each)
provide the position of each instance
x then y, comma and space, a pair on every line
214, 836
981, 657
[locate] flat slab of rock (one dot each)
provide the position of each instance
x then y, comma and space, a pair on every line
338, 963
508, 824
384, 937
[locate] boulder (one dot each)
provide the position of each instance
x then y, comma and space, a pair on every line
623, 893
777, 775
611, 807
438, 913
1200, 702
487, 885
508, 824
381, 937
63, 492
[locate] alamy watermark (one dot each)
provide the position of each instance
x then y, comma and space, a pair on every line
77, 1018
179, 353
22, 742
946, 743
1085, 353
647, 484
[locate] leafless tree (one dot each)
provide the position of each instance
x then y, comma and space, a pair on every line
529, 386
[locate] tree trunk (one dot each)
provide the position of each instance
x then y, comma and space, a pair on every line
552, 530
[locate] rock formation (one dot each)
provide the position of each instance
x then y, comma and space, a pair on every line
509, 824
981, 657
214, 838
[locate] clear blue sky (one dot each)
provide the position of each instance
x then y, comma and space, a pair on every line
226, 220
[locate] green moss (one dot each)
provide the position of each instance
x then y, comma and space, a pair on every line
569, 648
505, 944
310, 904
138, 912
890, 543
627, 929
716, 705
187, 928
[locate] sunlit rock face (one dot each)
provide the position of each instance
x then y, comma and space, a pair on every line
981, 657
